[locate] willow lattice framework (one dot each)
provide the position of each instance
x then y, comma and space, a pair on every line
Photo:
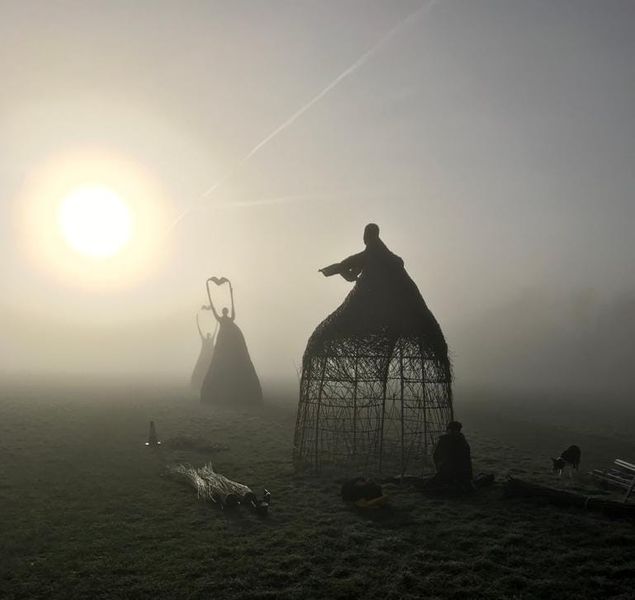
376, 387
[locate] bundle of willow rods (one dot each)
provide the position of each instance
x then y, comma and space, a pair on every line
213, 486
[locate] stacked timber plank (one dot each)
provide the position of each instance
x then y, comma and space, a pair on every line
621, 474
519, 488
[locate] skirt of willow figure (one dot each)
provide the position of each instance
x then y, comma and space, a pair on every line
231, 378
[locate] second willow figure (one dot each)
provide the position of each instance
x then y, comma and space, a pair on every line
231, 378
204, 358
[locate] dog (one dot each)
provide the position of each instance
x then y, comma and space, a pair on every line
571, 456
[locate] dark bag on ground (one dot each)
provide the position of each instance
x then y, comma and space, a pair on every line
360, 489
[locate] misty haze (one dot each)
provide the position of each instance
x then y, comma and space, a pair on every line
311, 242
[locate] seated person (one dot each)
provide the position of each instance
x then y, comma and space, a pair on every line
452, 460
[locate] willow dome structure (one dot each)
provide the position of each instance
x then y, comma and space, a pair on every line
375, 391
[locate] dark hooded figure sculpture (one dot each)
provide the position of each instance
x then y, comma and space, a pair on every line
375, 391
384, 297
231, 378
204, 358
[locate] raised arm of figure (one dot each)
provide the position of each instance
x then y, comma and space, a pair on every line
211, 304
198, 326
231, 295
215, 332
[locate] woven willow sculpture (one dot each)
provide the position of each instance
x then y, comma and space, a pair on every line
375, 391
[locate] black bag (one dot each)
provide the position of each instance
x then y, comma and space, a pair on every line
360, 488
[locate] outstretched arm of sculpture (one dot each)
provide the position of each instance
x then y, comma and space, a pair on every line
198, 326
231, 295
349, 268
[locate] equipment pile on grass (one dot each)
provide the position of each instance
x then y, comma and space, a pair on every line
363, 493
210, 485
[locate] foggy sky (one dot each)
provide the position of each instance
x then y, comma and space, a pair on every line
492, 141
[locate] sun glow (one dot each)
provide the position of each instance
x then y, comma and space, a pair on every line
95, 221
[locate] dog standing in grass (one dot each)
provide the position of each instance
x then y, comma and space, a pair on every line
571, 457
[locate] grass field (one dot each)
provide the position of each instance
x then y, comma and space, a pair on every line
86, 511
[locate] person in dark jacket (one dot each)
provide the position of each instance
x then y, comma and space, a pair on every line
452, 460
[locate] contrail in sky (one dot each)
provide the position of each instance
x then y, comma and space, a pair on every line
278, 200
361, 61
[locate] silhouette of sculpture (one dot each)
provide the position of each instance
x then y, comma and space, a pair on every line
204, 358
375, 391
231, 378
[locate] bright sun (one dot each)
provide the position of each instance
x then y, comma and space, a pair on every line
95, 221
92, 219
